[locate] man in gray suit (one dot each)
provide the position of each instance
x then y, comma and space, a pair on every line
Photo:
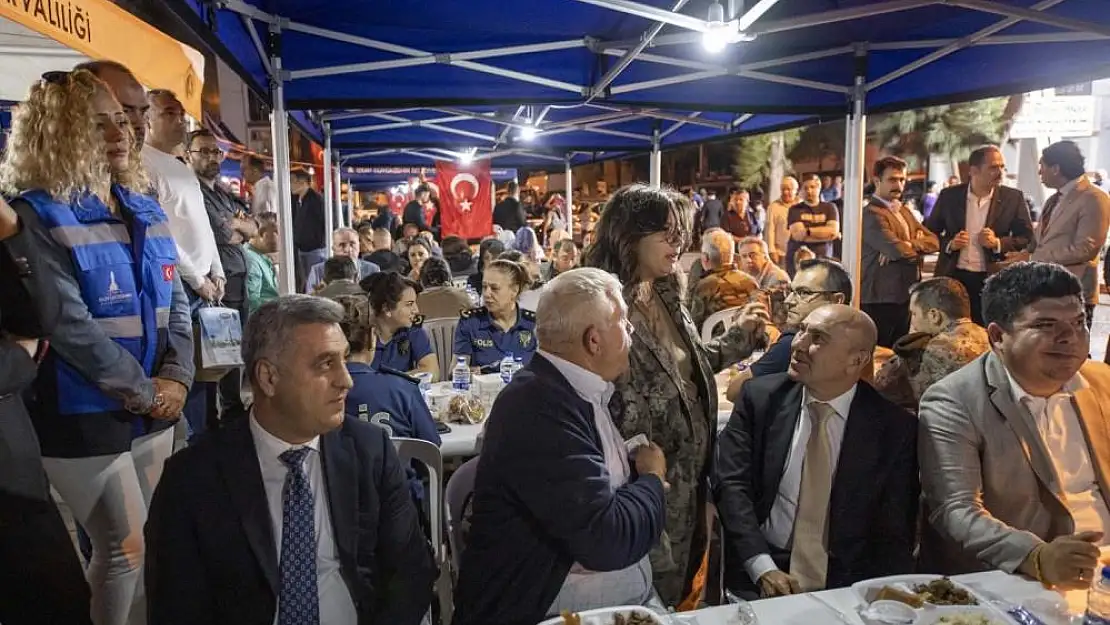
1014, 447
1073, 223
894, 243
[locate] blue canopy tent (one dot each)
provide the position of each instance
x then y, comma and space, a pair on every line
569, 80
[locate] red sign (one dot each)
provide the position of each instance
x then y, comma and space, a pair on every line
465, 200
167, 272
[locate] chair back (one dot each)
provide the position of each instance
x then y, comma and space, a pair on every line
428, 454
722, 317
459, 488
460, 282
442, 333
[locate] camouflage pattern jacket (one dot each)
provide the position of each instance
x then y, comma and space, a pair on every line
651, 399
722, 288
921, 361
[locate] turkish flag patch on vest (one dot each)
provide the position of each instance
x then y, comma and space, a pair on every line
167, 272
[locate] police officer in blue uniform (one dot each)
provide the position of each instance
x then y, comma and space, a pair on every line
500, 328
382, 395
401, 343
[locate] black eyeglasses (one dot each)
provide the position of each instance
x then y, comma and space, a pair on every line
804, 293
55, 77
210, 153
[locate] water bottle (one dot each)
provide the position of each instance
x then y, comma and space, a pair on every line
472, 294
1098, 601
507, 369
518, 364
460, 375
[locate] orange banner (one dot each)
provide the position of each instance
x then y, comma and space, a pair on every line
101, 30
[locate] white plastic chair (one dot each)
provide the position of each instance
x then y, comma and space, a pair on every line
720, 317
442, 333
459, 488
428, 454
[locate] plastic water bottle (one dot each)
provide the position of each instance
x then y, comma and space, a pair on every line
460, 375
507, 370
1098, 601
472, 294
518, 364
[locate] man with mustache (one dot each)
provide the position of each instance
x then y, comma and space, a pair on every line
1014, 447
894, 244
817, 481
978, 223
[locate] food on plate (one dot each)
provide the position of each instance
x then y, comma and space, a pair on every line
892, 593
943, 592
968, 618
465, 409
632, 618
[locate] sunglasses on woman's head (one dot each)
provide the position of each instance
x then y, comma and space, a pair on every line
55, 77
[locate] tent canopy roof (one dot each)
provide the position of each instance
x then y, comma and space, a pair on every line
601, 77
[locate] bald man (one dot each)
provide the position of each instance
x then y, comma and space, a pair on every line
815, 448
777, 230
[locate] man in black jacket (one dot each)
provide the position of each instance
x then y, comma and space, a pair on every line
37, 559
295, 512
309, 225
978, 223
561, 521
817, 482
509, 213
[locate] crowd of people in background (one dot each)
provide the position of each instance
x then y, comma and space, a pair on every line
966, 399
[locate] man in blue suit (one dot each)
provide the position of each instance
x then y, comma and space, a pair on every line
562, 520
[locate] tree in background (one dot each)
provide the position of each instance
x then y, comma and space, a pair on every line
951, 131
822, 143
762, 159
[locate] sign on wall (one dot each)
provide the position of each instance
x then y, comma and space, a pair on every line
1058, 117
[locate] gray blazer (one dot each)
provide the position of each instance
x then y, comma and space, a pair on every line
991, 492
1075, 234
891, 257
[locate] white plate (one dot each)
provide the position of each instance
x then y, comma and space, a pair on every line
861, 589
933, 614
604, 615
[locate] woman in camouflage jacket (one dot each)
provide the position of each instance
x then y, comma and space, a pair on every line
669, 393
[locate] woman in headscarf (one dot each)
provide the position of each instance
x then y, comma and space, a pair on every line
669, 393
121, 357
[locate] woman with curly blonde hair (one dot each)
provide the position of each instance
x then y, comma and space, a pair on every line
121, 358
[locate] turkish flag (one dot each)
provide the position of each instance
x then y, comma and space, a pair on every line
465, 200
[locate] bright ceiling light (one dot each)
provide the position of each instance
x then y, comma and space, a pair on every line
528, 132
467, 157
719, 33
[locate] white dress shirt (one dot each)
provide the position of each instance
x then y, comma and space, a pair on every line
264, 196
778, 530
336, 605
182, 200
1062, 434
584, 589
971, 257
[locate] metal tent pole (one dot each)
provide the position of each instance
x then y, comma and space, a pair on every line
337, 192
655, 162
329, 190
569, 205
855, 174
279, 128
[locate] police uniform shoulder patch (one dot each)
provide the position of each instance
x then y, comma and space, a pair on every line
400, 374
417, 321
528, 315
473, 312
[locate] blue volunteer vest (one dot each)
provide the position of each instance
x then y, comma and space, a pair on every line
125, 271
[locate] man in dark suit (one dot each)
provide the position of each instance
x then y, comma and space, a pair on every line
817, 482
893, 245
978, 224
36, 556
561, 520
296, 515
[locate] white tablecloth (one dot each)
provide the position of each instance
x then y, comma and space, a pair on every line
807, 610
462, 440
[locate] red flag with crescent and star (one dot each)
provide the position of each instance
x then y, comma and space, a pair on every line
465, 199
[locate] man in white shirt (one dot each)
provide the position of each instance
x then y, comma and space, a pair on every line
295, 515
777, 229
817, 483
263, 189
344, 243
180, 195
1014, 447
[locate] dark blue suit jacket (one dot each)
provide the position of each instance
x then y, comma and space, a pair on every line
211, 555
542, 502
